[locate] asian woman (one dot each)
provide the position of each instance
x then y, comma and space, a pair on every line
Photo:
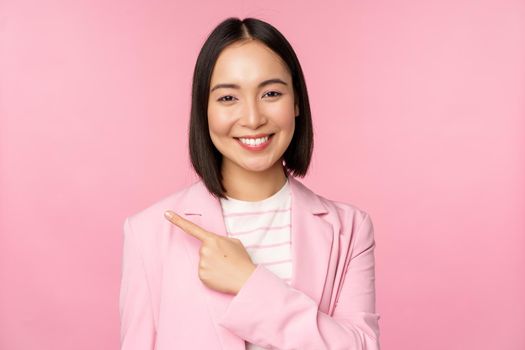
248, 257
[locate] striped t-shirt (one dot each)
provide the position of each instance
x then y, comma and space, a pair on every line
264, 229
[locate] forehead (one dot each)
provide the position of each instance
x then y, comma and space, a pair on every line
248, 62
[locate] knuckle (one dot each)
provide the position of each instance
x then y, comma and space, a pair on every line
214, 241
203, 276
204, 250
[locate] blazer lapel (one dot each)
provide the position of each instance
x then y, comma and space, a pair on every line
312, 240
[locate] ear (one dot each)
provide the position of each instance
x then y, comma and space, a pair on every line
296, 110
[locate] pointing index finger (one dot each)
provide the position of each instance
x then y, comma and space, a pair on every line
188, 226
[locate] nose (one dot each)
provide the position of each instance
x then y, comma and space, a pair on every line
252, 117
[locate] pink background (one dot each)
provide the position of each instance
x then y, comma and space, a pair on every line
419, 113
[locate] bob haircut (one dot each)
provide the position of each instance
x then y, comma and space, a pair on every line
205, 158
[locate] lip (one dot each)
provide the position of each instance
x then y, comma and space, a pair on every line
260, 147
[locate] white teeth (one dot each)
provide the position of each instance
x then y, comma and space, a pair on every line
254, 142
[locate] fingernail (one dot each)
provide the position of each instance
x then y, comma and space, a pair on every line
168, 214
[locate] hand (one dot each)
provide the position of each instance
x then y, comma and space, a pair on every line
224, 262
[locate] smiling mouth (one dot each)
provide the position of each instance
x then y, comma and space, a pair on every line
252, 144
254, 138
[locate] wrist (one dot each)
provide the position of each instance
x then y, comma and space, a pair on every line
248, 272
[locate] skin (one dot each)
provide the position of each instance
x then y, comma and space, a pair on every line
249, 109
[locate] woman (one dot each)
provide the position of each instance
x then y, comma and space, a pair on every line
248, 257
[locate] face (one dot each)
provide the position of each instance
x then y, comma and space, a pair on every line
251, 108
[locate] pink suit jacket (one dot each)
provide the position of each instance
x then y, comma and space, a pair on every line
329, 304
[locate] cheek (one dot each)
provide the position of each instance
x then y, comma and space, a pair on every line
282, 114
218, 123
284, 118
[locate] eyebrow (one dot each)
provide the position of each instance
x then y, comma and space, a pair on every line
235, 86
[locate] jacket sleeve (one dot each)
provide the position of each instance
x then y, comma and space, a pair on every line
269, 312
137, 328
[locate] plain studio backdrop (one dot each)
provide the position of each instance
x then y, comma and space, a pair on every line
419, 116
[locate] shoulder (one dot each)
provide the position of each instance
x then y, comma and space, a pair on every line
355, 225
351, 220
151, 234
345, 210
349, 212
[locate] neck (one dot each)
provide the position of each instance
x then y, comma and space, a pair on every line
253, 186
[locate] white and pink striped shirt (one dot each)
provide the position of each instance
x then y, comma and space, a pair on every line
264, 229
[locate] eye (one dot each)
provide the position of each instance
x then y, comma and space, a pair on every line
276, 93
224, 98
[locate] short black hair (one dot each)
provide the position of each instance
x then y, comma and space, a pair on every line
205, 158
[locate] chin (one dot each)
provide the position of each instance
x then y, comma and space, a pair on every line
256, 167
